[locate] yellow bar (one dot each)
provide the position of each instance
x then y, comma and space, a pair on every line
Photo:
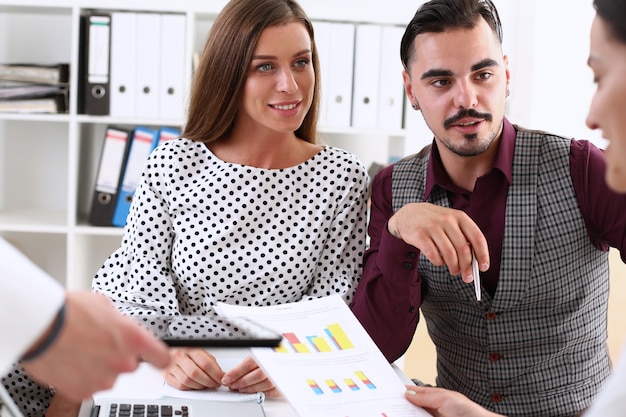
340, 336
300, 348
281, 349
321, 344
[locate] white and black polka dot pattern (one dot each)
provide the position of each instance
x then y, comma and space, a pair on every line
31, 398
202, 230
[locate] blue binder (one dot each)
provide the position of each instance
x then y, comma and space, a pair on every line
143, 141
166, 133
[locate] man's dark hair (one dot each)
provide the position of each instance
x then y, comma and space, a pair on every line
441, 15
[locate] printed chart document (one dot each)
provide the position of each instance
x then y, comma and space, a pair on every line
327, 365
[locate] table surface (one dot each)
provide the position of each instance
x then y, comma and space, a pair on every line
147, 382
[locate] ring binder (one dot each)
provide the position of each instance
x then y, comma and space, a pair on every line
94, 64
143, 141
112, 162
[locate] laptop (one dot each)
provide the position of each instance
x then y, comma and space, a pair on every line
144, 393
161, 407
168, 407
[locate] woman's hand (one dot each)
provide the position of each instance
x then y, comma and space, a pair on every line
247, 377
193, 369
441, 402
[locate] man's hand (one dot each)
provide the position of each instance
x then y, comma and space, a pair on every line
445, 236
95, 344
441, 402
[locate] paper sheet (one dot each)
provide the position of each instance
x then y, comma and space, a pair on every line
147, 382
327, 365
220, 394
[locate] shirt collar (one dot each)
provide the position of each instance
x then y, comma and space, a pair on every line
436, 174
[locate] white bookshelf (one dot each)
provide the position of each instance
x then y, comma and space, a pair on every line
48, 163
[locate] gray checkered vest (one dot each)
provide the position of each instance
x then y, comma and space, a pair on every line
538, 347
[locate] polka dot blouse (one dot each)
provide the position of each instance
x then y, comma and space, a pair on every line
201, 230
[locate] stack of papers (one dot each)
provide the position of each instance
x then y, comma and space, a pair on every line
327, 365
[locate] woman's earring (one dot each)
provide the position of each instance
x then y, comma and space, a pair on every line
414, 106
508, 92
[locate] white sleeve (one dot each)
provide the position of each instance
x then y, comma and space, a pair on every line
29, 301
611, 401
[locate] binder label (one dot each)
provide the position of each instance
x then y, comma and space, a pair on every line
111, 163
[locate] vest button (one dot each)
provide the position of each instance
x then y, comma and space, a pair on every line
411, 309
410, 255
491, 315
494, 357
496, 398
407, 265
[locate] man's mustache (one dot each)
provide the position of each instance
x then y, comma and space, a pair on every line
466, 113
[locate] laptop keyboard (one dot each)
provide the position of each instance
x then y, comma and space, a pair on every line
143, 410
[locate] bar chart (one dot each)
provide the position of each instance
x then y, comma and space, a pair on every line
331, 338
355, 382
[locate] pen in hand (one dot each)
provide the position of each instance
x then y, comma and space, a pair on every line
476, 275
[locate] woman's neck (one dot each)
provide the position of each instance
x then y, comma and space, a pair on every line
271, 152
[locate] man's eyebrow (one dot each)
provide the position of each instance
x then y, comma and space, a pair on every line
436, 72
488, 62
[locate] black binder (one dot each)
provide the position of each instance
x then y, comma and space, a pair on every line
94, 64
112, 164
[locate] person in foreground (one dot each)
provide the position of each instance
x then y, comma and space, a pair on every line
607, 59
75, 341
532, 206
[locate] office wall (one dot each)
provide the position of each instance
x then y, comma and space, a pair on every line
551, 85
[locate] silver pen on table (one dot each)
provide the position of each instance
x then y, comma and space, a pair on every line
476, 274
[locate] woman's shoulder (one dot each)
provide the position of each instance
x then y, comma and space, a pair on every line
180, 155
343, 157
180, 145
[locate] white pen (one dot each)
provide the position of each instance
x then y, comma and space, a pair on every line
476, 274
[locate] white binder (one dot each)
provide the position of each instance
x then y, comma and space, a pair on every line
123, 64
171, 89
148, 65
391, 96
323, 42
341, 64
366, 76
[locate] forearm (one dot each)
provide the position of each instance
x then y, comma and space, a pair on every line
388, 297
